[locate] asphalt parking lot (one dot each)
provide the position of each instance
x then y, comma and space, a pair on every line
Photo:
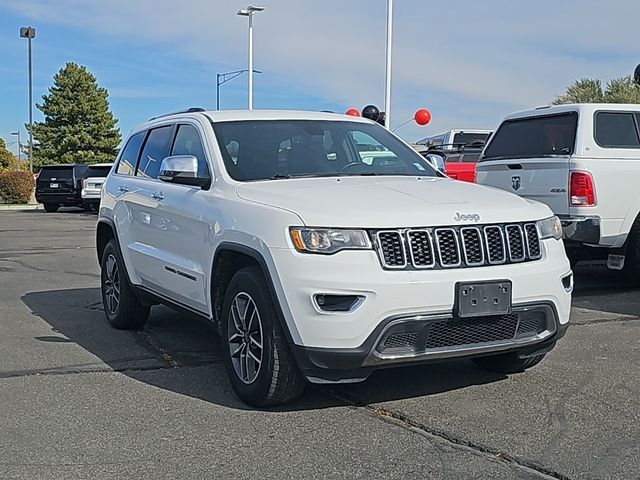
81, 400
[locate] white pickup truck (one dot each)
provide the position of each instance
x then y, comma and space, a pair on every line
583, 161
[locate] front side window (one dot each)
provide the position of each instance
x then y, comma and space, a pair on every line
129, 157
616, 130
273, 149
532, 137
156, 149
188, 142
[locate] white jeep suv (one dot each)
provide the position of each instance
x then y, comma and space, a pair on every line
318, 261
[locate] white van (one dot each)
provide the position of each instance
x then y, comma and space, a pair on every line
583, 161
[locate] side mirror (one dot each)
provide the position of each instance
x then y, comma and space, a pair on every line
182, 169
436, 161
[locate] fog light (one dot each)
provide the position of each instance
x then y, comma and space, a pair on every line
337, 303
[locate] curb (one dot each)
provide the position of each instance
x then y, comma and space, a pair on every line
27, 206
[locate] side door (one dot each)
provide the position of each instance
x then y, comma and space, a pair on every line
179, 230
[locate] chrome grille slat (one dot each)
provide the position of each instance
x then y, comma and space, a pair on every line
421, 248
391, 249
472, 247
515, 243
533, 241
448, 247
455, 247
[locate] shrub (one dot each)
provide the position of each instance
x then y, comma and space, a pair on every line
16, 187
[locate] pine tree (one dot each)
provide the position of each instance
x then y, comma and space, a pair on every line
78, 126
7, 160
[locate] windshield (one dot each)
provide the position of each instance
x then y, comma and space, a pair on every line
273, 149
534, 137
463, 138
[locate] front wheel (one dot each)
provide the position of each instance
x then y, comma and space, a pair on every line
632, 261
121, 306
507, 362
256, 355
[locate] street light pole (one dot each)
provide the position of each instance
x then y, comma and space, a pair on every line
387, 93
30, 33
222, 78
18, 134
249, 12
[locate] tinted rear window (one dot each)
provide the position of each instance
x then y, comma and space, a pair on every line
93, 171
56, 172
534, 137
470, 138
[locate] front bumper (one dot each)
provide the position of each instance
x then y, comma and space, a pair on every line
581, 229
535, 331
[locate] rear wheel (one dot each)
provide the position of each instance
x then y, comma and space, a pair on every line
51, 207
257, 358
632, 257
574, 254
121, 306
507, 362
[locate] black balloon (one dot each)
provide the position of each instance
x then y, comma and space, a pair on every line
371, 112
382, 118
636, 75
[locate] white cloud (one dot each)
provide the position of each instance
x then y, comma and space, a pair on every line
469, 61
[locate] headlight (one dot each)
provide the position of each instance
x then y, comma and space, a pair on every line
328, 240
550, 228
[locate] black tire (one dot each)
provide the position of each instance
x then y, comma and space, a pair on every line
632, 257
276, 380
51, 207
507, 362
128, 313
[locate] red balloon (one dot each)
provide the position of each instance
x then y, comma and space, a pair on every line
353, 112
422, 116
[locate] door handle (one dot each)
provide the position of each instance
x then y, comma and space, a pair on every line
123, 188
157, 196
514, 166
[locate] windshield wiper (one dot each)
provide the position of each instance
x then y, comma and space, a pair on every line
280, 176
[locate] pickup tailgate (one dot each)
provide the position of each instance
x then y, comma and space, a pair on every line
543, 179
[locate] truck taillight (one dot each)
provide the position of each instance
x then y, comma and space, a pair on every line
582, 191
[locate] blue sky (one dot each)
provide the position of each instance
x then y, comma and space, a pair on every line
469, 62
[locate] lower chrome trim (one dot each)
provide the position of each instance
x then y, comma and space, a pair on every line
376, 358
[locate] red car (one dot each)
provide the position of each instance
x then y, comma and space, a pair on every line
459, 160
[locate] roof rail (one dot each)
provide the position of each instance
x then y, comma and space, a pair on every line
186, 110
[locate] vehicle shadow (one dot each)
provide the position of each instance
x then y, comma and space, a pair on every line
601, 289
170, 341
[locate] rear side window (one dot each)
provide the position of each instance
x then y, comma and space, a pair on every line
534, 137
97, 171
156, 148
129, 157
616, 130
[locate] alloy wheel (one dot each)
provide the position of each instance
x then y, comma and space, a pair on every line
111, 285
245, 337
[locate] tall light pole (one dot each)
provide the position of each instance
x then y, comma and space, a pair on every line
222, 78
30, 33
249, 12
18, 134
387, 91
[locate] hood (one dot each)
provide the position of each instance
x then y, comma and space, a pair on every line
391, 202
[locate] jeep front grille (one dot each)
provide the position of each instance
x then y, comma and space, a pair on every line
456, 247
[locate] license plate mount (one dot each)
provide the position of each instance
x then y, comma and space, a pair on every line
53, 185
478, 299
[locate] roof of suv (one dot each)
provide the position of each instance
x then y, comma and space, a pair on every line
239, 115
586, 108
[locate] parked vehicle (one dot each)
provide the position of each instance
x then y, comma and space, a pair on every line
60, 186
451, 139
317, 261
584, 162
92, 184
459, 160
